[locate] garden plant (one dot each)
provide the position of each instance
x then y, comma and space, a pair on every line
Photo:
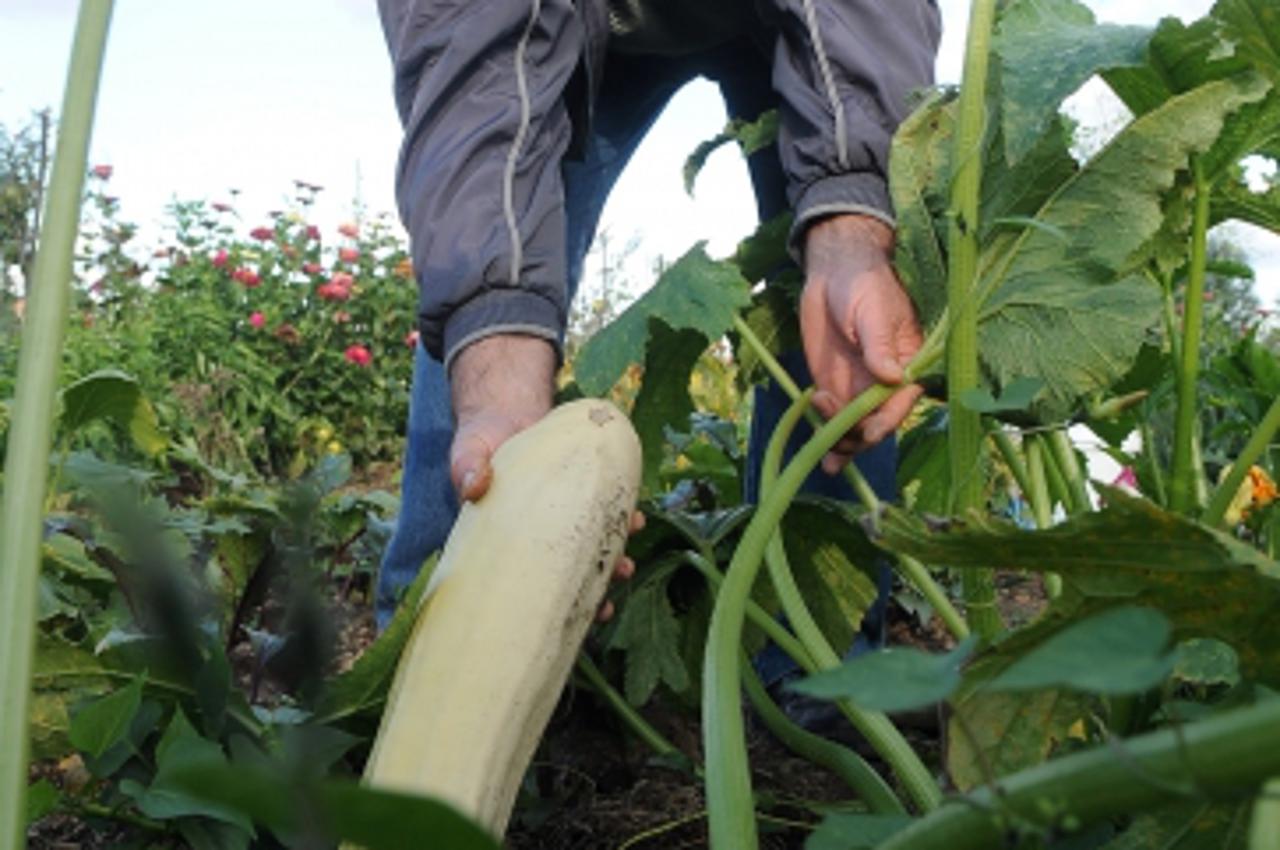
163, 580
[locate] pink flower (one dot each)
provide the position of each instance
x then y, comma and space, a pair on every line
257, 320
311, 268
348, 255
102, 172
349, 229
341, 317
358, 355
313, 232
337, 289
246, 276
1126, 480
219, 206
412, 337
220, 258
263, 234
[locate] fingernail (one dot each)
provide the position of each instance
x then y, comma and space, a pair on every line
468, 483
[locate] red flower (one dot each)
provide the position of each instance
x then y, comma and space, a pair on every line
349, 229
220, 259
256, 319
358, 355
311, 268
412, 337
348, 255
313, 232
246, 276
102, 172
337, 289
263, 234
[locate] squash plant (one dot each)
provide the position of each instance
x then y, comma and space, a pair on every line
1040, 279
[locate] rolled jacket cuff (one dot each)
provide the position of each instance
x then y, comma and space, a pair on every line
503, 311
859, 193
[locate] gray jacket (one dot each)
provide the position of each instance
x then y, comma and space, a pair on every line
492, 94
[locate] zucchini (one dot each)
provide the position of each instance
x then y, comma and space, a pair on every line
517, 587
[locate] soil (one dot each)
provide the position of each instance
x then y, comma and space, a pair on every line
594, 787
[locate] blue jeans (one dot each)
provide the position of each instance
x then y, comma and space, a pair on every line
635, 90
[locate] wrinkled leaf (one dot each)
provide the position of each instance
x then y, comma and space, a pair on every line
896, 679
696, 293
1192, 825
1206, 662
1048, 49
664, 401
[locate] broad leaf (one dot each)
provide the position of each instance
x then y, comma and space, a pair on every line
649, 634
1253, 29
696, 293
1206, 663
111, 394
1133, 551
896, 679
98, 726
1048, 49
42, 798
1122, 651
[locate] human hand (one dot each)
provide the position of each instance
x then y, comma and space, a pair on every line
858, 325
501, 385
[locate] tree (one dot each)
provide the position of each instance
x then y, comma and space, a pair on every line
24, 163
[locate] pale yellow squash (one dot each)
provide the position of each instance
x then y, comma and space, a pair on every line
516, 589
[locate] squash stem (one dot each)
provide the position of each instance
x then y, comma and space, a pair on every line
965, 425
30, 436
911, 569
633, 720
728, 780
1041, 505
1182, 495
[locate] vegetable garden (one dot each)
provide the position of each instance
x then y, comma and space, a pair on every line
193, 503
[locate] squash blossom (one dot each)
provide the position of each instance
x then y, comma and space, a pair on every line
1256, 490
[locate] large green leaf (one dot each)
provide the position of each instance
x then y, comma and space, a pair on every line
1252, 27
97, 727
1208, 583
1048, 49
111, 394
696, 293
1061, 303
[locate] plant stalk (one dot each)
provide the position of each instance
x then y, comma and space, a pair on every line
1229, 754
1041, 505
731, 816
30, 435
1064, 453
1012, 458
965, 428
1258, 442
910, 568
1182, 492
640, 727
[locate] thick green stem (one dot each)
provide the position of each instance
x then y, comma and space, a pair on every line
1037, 494
1258, 442
30, 435
1064, 455
912, 569
1230, 754
1182, 495
1153, 463
1264, 828
850, 767
729, 801
965, 428
1012, 458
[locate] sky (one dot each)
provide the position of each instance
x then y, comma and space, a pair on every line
201, 98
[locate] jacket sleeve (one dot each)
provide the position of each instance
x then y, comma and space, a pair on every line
479, 85
845, 71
